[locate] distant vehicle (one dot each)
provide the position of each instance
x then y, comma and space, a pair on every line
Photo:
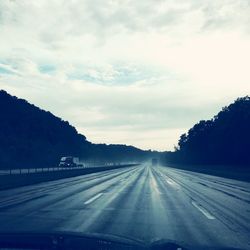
154, 162
70, 161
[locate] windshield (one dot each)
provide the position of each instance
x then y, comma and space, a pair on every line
66, 159
125, 124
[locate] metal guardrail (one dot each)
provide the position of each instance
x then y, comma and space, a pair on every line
36, 170
53, 169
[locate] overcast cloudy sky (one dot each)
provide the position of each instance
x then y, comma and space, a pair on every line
135, 72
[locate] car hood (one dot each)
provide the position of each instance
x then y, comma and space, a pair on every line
75, 241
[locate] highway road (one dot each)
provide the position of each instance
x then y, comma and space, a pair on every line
146, 203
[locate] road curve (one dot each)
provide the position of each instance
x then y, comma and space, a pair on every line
146, 203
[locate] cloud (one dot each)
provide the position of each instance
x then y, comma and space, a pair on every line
227, 14
136, 72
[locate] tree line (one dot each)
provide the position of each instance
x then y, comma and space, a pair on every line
224, 139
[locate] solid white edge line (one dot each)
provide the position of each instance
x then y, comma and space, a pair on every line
93, 198
203, 210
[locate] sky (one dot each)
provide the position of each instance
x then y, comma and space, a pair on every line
130, 72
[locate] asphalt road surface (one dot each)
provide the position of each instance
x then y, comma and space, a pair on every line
146, 203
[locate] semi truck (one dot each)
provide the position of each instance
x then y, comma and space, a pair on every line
70, 161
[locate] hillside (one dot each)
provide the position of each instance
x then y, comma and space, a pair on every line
225, 139
30, 137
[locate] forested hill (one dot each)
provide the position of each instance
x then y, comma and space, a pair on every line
225, 139
30, 137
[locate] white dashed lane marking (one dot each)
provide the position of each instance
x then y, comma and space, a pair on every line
203, 211
93, 198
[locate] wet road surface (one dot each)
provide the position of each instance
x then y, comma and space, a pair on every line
146, 203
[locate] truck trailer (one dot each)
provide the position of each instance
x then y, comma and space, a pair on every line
154, 161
